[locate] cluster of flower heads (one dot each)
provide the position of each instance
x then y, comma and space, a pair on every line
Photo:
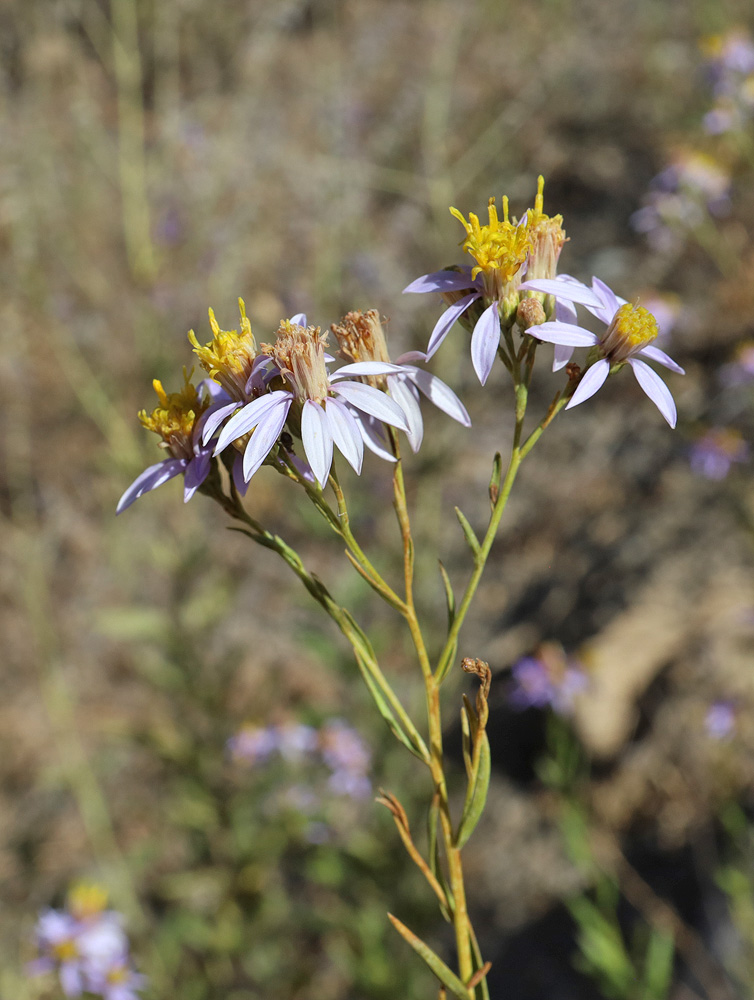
730, 68
681, 198
549, 679
335, 744
86, 947
258, 399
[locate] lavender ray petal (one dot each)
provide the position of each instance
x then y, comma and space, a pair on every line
238, 479
440, 394
212, 418
446, 321
410, 356
561, 357
593, 380
655, 354
262, 369
299, 319
610, 303
266, 434
407, 398
565, 312
485, 341
196, 472
213, 389
317, 439
247, 418
441, 281
656, 389
150, 479
564, 287
345, 433
566, 334
364, 368
371, 433
372, 401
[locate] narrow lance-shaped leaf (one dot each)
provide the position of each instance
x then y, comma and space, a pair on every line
446, 975
476, 800
450, 598
468, 532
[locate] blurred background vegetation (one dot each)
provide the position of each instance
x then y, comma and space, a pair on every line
161, 157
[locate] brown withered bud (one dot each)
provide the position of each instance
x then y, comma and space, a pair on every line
530, 312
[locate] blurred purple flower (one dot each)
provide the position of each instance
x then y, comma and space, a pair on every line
715, 452
720, 720
547, 681
348, 758
253, 744
741, 369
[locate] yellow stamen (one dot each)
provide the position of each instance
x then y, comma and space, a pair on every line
65, 951
175, 417
499, 248
229, 356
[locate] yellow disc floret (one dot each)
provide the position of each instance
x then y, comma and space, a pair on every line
86, 899
632, 328
499, 248
229, 356
174, 419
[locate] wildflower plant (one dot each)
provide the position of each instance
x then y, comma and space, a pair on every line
289, 404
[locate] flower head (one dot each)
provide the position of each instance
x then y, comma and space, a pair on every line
179, 420
548, 679
627, 339
546, 238
323, 412
713, 454
229, 357
499, 248
362, 339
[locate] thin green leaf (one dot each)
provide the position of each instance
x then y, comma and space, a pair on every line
658, 966
476, 797
468, 532
385, 711
446, 975
450, 599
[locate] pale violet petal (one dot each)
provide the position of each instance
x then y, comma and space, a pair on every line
238, 479
440, 394
365, 368
561, 357
317, 439
213, 389
441, 281
446, 321
410, 356
610, 303
196, 472
655, 354
565, 334
563, 288
408, 399
485, 341
565, 312
374, 439
211, 420
150, 479
345, 432
656, 389
248, 417
265, 435
299, 319
593, 379
263, 369
371, 401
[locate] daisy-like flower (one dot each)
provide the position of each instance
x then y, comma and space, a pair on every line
179, 420
317, 405
362, 339
547, 680
627, 339
503, 251
715, 452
